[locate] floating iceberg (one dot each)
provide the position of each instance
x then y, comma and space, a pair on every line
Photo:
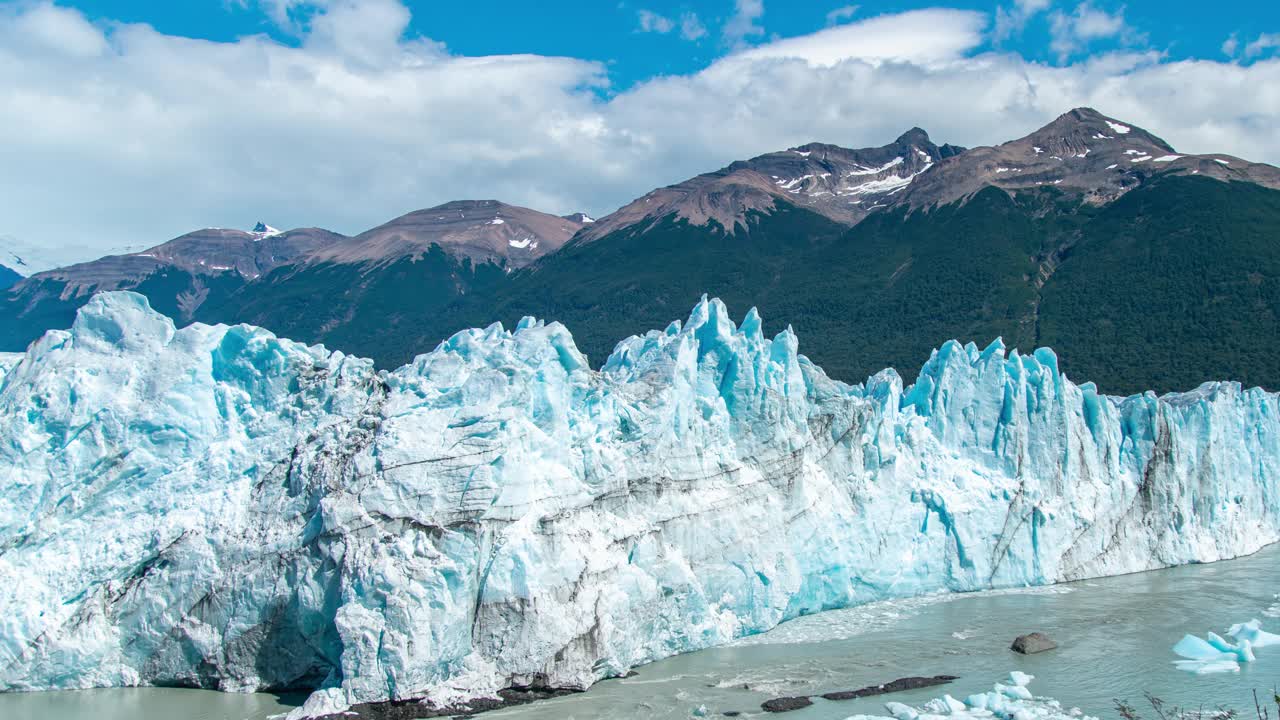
1217, 655
1243, 651
1206, 656
1253, 633
218, 507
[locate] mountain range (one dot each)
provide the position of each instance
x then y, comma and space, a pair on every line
1145, 268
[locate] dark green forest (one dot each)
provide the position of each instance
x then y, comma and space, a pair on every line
1175, 283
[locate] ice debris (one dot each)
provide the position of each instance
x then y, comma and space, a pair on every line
1214, 654
1012, 701
1253, 633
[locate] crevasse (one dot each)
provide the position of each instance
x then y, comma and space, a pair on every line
215, 506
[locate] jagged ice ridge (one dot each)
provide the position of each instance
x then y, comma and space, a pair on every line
219, 507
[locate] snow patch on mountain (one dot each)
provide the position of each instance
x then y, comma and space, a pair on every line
263, 230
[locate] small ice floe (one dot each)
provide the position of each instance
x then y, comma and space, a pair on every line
945, 705
1253, 633
1215, 654
1020, 679
1212, 655
1243, 651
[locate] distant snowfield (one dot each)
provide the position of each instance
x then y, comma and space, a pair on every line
28, 258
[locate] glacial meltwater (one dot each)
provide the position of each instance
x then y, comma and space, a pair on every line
1114, 637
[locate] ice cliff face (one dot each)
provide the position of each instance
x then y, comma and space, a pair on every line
216, 506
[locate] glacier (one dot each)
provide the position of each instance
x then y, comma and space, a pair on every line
214, 506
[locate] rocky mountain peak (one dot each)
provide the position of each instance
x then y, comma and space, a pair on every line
1082, 152
840, 183
914, 136
264, 230
1079, 128
482, 230
207, 252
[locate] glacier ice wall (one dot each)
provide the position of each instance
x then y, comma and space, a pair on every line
217, 507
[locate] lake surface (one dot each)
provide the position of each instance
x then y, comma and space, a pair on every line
1115, 636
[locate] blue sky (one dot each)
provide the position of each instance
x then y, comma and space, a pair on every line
126, 123
611, 32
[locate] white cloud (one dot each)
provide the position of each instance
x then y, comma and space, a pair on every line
1011, 20
744, 24
363, 30
121, 136
653, 22
1264, 44
918, 36
691, 28
842, 14
1231, 45
1072, 32
46, 28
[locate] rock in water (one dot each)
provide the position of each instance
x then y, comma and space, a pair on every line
215, 506
907, 683
785, 704
1032, 643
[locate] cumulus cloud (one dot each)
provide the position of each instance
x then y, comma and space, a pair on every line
120, 135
